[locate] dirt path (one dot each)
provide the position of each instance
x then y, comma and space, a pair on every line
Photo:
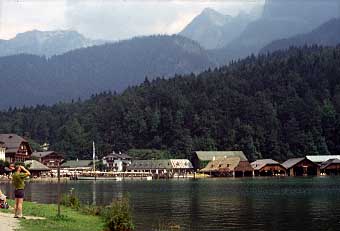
9, 223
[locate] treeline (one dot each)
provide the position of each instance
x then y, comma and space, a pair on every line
278, 106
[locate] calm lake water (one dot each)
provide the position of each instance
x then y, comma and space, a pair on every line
215, 204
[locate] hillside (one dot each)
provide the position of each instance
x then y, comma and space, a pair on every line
45, 43
281, 105
328, 34
109, 67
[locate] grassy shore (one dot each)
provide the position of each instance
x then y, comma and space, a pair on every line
70, 219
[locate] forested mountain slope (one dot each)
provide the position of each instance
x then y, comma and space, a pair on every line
30, 80
282, 105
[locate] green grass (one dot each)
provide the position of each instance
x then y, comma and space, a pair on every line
70, 220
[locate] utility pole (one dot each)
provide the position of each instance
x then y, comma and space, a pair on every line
59, 196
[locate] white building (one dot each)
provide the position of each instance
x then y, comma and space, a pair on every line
2, 151
117, 162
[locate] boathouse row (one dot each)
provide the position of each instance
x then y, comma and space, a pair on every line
234, 163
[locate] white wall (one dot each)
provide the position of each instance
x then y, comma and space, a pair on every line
2, 153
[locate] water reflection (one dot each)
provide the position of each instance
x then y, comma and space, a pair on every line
214, 204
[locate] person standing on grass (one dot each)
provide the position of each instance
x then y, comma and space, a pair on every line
18, 180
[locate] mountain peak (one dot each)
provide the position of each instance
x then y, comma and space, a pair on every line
213, 16
210, 11
213, 29
45, 43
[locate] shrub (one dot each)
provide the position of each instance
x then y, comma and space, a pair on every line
71, 200
118, 215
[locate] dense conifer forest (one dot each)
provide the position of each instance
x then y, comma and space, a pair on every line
279, 105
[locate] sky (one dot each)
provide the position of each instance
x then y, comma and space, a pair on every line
110, 19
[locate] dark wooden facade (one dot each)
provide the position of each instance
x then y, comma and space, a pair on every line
301, 167
268, 167
50, 159
331, 167
17, 148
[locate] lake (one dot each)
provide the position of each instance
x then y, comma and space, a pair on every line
287, 203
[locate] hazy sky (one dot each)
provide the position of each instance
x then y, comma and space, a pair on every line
110, 20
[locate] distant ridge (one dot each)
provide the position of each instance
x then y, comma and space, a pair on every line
45, 43
280, 19
328, 34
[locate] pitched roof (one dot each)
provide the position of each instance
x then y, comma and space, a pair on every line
329, 162
258, 164
36, 166
77, 164
42, 154
118, 156
181, 163
291, 162
322, 158
12, 142
211, 155
227, 164
150, 164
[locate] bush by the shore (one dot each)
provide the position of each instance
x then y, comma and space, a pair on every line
117, 215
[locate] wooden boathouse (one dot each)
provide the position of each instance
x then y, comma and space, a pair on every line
331, 167
268, 167
301, 167
230, 166
200, 159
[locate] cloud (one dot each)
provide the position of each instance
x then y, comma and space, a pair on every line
110, 20
21, 16
125, 19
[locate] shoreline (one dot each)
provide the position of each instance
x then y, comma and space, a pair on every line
43, 217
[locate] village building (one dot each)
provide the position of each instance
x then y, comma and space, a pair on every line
17, 148
167, 167
229, 166
268, 167
331, 167
200, 159
181, 167
78, 165
117, 161
51, 159
301, 167
322, 158
2, 151
37, 169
